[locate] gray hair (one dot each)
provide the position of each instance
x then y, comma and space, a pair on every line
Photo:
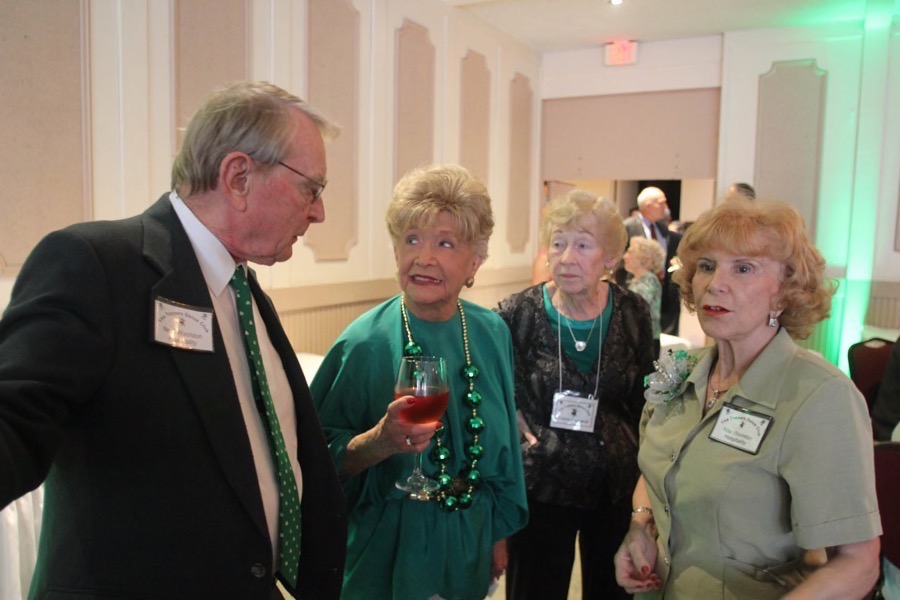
648, 253
648, 194
244, 116
566, 210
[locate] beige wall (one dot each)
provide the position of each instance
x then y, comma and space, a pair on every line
98, 93
45, 114
99, 88
631, 136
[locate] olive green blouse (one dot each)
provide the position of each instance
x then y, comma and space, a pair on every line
731, 522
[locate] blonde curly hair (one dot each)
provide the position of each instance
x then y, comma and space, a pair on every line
423, 193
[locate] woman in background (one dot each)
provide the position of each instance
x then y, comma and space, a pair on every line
644, 259
754, 452
582, 347
453, 544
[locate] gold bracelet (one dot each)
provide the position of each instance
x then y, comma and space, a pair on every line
641, 509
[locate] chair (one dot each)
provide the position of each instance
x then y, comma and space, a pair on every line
887, 488
868, 360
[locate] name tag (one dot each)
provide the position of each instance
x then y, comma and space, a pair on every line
571, 411
740, 428
182, 326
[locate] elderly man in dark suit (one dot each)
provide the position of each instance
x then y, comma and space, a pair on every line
652, 206
171, 468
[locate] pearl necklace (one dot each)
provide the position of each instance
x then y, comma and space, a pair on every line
454, 493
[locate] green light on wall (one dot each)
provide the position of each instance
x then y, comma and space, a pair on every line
831, 13
866, 173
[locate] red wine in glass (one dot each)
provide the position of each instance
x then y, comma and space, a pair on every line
424, 377
428, 408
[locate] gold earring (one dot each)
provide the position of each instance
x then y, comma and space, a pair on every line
470, 282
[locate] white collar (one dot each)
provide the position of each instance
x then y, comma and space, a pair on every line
216, 262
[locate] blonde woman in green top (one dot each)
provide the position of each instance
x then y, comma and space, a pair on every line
449, 544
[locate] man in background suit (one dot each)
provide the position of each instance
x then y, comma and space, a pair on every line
125, 387
648, 223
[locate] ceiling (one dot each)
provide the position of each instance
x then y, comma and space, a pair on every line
559, 25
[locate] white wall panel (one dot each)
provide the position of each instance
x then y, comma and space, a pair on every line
452, 33
513, 61
749, 55
505, 58
887, 250
130, 90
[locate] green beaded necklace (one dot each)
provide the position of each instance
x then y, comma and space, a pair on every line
454, 493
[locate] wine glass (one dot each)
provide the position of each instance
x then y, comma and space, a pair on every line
424, 377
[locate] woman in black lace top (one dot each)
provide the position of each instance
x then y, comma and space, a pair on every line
582, 348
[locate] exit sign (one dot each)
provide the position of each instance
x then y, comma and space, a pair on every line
623, 52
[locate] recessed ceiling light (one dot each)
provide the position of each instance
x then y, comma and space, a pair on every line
615, 2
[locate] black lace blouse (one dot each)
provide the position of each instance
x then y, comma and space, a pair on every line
575, 468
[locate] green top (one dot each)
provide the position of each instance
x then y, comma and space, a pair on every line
406, 549
648, 287
732, 524
586, 360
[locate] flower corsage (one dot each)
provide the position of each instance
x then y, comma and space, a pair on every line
667, 382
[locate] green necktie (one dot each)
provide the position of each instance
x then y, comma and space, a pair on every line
288, 498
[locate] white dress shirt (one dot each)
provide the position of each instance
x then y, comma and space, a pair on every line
660, 238
218, 266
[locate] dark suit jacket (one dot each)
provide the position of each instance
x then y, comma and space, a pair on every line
670, 311
151, 490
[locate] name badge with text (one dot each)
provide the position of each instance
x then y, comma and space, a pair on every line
740, 428
571, 411
182, 326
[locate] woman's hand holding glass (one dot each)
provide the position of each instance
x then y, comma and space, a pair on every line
396, 430
422, 384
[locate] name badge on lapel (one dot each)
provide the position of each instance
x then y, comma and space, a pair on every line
740, 428
182, 326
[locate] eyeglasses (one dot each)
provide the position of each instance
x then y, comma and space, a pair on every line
319, 186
